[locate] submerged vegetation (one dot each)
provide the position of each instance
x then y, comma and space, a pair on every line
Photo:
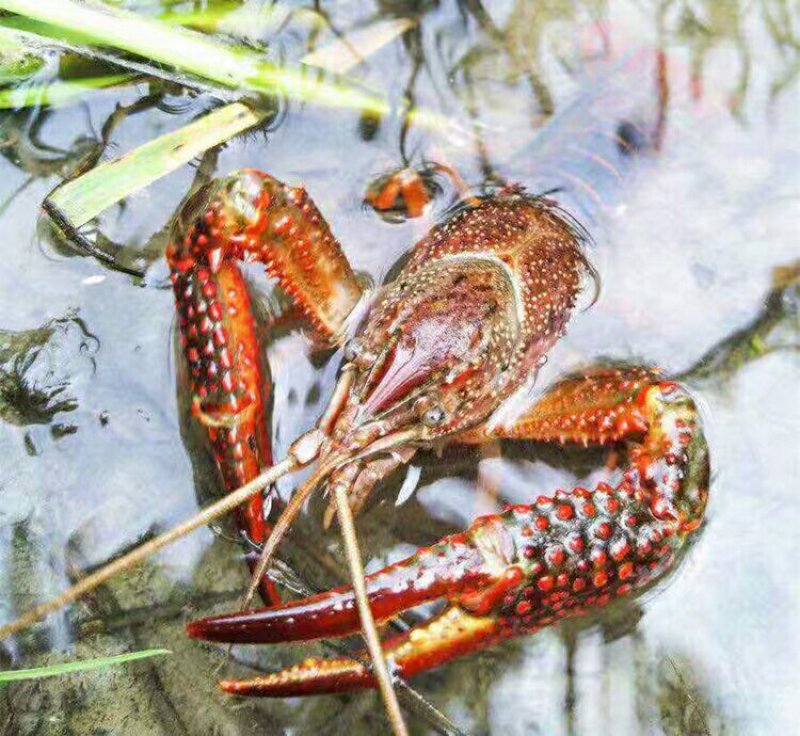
74, 666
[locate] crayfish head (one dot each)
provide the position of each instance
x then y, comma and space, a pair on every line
429, 360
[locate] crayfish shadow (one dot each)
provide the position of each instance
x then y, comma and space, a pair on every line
457, 469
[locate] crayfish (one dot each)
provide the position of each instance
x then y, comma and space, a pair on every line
466, 320
429, 359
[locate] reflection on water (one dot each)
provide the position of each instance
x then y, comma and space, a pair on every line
695, 244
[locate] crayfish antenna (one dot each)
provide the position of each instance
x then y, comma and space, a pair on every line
282, 525
142, 552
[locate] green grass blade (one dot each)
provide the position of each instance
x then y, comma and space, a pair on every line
84, 198
203, 57
194, 53
81, 665
57, 93
241, 20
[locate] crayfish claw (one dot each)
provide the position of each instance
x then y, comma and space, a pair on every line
451, 634
452, 567
457, 568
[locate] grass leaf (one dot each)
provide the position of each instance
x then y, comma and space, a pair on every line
204, 57
82, 199
190, 52
79, 201
57, 93
81, 665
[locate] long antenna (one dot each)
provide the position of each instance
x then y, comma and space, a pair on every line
90, 582
281, 527
370, 631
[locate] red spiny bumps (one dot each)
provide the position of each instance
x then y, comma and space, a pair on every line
603, 530
620, 549
565, 512
523, 608
545, 583
575, 542
555, 556
598, 556
600, 579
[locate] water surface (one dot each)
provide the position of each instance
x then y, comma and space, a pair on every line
696, 246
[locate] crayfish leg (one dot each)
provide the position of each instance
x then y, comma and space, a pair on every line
595, 408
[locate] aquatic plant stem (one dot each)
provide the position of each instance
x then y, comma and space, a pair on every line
92, 581
370, 631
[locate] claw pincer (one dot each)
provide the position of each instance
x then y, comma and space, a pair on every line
515, 572
457, 566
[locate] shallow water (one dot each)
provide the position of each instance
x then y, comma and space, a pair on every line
695, 243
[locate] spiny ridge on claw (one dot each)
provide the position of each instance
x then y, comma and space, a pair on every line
250, 216
600, 408
594, 409
311, 677
450, 566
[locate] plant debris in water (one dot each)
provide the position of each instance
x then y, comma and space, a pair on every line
81, 665
32, 388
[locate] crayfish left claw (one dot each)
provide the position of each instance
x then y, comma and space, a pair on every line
453, 566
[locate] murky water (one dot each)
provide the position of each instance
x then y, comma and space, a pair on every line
696, 246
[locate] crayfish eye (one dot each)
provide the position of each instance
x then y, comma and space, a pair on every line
352, 350
433, 417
